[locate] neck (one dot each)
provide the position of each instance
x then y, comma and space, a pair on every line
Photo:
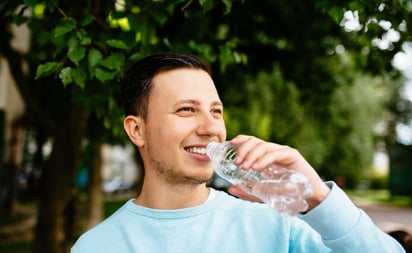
163, 196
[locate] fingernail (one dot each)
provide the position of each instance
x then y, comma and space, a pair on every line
244, 165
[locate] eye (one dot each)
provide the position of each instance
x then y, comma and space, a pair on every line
217, 112
185, 111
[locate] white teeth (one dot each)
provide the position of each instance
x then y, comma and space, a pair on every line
201, 151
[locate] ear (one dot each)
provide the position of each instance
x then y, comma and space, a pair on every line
134, 127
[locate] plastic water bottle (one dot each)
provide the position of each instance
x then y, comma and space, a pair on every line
282, 189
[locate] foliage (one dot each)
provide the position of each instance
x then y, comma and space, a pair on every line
316, 97
355, 111
79, 51
340, 145
92, 48
88, 49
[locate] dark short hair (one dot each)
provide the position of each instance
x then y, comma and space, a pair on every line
137, 84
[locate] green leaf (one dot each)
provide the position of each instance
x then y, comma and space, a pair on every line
114, 61
18, 20
160, 15
79, 75
87, 20
85, 41
38, 10
136, 23
336, 14
66, 76
228, 4
51, 5
30, 3
66, 25
104, 75
94, 57
83, 38
225, 56
206, 5
117, 44
47, 69
136, 56
76, 53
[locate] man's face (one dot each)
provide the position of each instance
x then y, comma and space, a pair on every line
184, 115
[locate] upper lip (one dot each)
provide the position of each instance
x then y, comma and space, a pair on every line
198, 149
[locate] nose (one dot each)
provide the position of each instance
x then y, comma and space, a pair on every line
208, 125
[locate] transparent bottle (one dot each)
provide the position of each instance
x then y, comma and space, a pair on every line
282, 189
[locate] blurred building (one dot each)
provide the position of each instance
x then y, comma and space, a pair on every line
12, 109
11, 104
119, 171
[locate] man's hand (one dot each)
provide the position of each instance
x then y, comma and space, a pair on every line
254, 153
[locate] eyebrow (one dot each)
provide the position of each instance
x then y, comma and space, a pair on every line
195, 102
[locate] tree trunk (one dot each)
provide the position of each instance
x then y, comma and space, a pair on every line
95, 195
12, 169
58, 185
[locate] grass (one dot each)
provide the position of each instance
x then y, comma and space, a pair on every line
18, 241
382, 196
15, 247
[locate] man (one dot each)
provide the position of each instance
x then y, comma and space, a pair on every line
172, 112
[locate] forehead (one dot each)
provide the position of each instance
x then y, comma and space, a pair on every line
183, 83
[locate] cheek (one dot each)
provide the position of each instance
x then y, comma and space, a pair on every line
173, 130
223, 131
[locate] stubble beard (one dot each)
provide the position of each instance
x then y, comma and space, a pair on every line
170, 174
172, 177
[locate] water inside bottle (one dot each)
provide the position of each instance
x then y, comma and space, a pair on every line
236, 175
285, 196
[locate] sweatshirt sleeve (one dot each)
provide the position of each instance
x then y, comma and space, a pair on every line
345, 228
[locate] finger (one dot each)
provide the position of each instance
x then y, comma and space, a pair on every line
249, 150
244, 143
283, 156
254, 153
263, 155
239, 139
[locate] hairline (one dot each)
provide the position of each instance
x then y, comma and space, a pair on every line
145, 105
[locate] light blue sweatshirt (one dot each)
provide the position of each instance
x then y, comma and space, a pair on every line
227, 224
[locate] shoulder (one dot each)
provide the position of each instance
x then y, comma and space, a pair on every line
98, 236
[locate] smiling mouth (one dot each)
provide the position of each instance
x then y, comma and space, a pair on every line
199, 151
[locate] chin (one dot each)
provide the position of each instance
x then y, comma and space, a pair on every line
204, 178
